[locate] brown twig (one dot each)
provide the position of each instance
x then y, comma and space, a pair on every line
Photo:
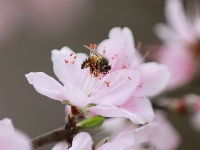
50, 137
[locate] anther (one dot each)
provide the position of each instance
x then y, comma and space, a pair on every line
66, 61
71, 54
94, 46
124, 66
113, 57
75, 57
72, 62
104, 51
129, 78
91, 45
107, 83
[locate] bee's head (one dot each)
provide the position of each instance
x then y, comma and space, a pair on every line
106, 68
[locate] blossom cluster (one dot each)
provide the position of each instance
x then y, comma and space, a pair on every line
122, 93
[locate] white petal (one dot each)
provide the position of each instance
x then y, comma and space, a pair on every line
60, 146
112, 111
142, 133
119, 45
124, 140
7, 123
75, 95
67, 72
46, 85
140, 106
82, 141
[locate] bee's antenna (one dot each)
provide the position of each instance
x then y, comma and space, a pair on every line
86, 46
92, 50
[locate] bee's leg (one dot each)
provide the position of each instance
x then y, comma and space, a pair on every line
85, 64
96, 65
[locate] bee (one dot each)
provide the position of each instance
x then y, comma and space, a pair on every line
97, 63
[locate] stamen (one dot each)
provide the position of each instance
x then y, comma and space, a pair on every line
75, 57
124, 66
71, 54
95, 97
104, 51
103, 90
144, 57
82, 79
129, 78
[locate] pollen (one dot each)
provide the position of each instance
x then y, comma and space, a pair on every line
129, 78
107, 83
71, 54
66, 61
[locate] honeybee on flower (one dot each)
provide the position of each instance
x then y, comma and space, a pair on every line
97, 62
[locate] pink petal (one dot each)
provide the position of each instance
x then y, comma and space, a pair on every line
176, 16
75, 95
142, 133
7, 123
166, 34
185, 67
124, 140
113, 111
140, 106
46, 85
82, 141
60, 146
154, 78
164, 132
66, 72
13, 140
119, 45
122, 84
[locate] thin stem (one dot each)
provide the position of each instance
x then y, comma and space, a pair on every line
50, 137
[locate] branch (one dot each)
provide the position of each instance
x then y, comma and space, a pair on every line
50, 137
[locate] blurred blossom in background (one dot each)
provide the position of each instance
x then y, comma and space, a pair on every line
39, 16
29, 30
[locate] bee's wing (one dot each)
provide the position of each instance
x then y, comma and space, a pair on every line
93, 51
